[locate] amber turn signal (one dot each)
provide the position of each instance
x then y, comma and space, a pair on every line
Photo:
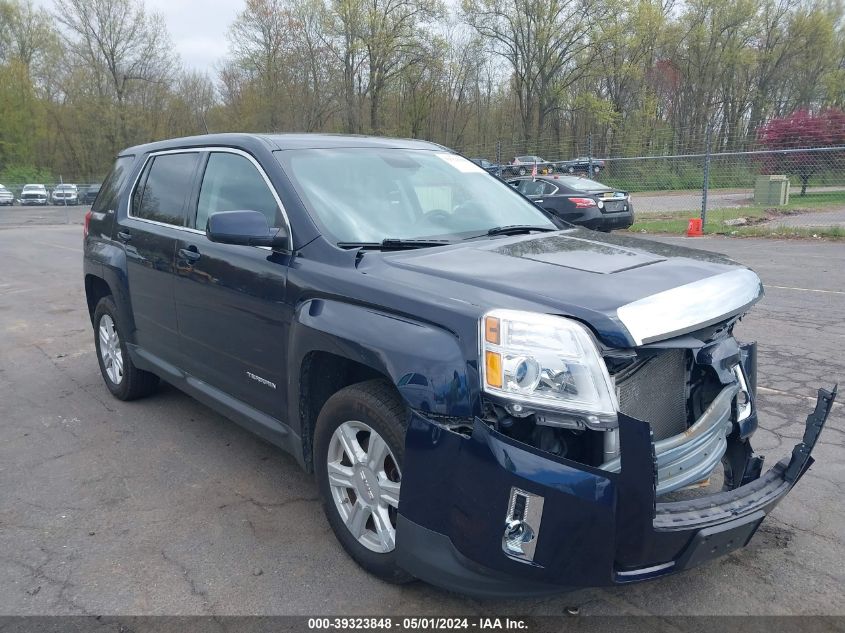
492, 332
493, 369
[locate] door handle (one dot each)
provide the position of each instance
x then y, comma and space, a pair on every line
539, 201
123, 236
190, 254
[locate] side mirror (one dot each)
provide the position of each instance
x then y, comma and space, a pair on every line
248, 228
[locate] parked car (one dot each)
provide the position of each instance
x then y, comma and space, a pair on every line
579, 201
522, 165
486, 165
90, 194
580, 165
7, 198
34, 194
65, 194
489, 402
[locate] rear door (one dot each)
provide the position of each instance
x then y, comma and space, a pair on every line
230, 300
150, 230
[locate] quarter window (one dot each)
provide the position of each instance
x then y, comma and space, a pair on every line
107, 197
163, 187
232, 183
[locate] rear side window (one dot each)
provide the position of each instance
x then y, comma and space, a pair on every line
163, 187
232, 183
532, 187
110, 189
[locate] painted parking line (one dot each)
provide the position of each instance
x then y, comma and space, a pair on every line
789, 394
67, 248
832, 292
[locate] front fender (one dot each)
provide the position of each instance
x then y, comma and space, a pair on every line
424, 362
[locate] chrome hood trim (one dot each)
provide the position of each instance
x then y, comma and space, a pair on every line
691, 306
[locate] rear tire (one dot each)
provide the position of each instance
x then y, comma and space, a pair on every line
359, 446
123, 379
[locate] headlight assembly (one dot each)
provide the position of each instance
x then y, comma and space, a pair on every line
546, 361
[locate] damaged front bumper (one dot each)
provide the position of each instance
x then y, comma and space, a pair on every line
486, 515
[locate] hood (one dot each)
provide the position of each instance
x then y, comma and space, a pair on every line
630, 291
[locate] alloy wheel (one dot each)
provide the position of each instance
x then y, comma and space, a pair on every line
110, 350
364, 479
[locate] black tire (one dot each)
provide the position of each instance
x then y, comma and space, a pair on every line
135, 383
376, 404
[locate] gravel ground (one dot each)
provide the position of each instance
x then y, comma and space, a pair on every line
833, 217
161, 506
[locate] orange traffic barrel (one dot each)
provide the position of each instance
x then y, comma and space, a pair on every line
694, 227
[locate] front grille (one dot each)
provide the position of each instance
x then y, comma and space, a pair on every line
656, 393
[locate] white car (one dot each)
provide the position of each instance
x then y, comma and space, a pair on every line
34, 194
65, 194
6, 197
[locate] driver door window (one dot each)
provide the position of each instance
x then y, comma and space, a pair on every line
232, 183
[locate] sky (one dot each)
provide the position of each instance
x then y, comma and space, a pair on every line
197, 27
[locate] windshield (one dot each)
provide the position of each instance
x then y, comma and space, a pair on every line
65, 188
373, 194
33, 187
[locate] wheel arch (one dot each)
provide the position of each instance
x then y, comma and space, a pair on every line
95, 289
335, 344
105, 274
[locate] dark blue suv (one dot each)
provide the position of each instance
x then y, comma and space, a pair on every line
490, 399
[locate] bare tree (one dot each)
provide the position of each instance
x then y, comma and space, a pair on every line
126, 49
541, 40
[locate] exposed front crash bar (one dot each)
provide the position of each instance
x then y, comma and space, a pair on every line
770, 487
594, 527
691, 456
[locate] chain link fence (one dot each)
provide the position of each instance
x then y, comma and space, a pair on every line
55, 192
801, 189
793, 190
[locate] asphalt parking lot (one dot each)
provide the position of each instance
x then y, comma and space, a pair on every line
161, 506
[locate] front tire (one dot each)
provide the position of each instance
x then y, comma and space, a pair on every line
359, 446
123, 379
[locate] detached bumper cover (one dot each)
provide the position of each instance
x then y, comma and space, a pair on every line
597, 528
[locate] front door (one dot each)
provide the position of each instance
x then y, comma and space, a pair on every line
150, 230
230, 300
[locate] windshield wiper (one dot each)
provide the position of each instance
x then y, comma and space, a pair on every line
393, 244
516, 229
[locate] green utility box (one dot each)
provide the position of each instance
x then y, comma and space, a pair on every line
771, 191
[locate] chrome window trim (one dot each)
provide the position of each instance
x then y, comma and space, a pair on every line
209, 150
691, 306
